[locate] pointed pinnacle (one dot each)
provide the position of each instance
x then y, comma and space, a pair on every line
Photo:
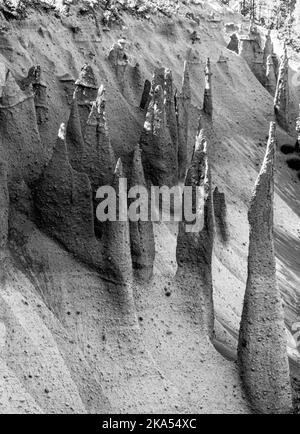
271, 147
186, 87
118, 173
265, 179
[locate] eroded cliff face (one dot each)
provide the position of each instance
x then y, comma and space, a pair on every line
262, 352
123, 316
195, 245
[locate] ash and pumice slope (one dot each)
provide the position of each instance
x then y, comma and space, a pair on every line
116, 323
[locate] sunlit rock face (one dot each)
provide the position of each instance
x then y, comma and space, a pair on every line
262, 351
195, 241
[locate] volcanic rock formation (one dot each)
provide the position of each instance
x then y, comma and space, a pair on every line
86, 92
164, 78
72, 336
133, 85
64, 201
281, 101
116, 237
4, 201
158, 78
183, 107
223, 64
98, 159
21, 146
271, 81
298, 131
74, 137
91, 153
159, 154
250, 50
234, 43
195, 240
268, 49
12, 93
171, 109
68, 84
220, 214
119, 60
207, 103
145, 100
26, 82
253, 32
40, 95
262, 351
141, 232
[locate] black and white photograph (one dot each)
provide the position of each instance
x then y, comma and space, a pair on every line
149, 210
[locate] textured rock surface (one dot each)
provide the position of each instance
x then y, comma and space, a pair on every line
74, 137
26, 82
223, 64
233, 43
159, 155
220, 214
262, 351
298, 130
268, 49
93, 153
64, 201
68, 86
158, 78
281, 101
105, 152
21, 146
40, 94
170, 109
133, 85
66, 328
98, 159
119, 60
271, 81
208, 102
194, 249
141, 232
145, 100
184, 105
86, 92
250, 50
116, 241
12, 94
4, 205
